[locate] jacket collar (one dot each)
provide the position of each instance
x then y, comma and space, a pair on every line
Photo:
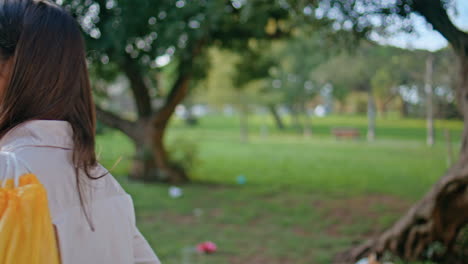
39, 133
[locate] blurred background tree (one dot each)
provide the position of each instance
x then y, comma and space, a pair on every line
151, 39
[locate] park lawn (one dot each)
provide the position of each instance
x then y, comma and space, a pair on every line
305, 198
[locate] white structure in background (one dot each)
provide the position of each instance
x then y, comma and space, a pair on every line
228, 110
198, 110
320, 111
181, 111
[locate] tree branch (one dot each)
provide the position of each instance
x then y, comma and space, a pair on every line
180, 88
138, 86
110, 119
436, 14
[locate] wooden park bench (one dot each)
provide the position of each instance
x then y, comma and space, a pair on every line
346, 133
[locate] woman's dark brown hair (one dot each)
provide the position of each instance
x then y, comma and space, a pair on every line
49, 78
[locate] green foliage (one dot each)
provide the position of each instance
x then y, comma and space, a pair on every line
184, 152
141, 37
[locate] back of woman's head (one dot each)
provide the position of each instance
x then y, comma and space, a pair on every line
48, 78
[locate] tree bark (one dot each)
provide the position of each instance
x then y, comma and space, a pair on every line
128, 127
371, 115
276, 116
164, 169
138, 87
429, 100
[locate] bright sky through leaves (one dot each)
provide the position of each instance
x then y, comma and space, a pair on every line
426, 37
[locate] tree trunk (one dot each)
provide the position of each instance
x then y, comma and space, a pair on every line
158, 166
190, 118
152, 161
244, 123
371, 115
276, 116
307, 122
429, 100
404, 108
296, 124
438, 217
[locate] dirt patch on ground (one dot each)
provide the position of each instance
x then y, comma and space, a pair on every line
170, 217
372, 211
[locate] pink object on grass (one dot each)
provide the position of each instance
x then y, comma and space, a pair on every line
207, 247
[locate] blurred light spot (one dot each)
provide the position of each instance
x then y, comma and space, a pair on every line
95, 33
348, 25
94, 9
105, 59
180, 3
129, 48
336, 26
110, 4
320, 111
140, 44
162, 15
163, 60
152, 20
307, 10
170, 50
194, 24
237, 4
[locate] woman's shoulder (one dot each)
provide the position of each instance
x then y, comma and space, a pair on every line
38, 133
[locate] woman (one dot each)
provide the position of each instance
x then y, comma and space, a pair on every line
47, 119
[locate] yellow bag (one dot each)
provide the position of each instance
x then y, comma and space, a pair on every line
26, 232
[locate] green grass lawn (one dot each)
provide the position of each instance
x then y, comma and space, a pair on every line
305, 198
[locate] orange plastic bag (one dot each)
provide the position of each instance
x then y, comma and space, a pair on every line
26, 232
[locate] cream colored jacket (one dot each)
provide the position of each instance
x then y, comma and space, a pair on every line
45, 146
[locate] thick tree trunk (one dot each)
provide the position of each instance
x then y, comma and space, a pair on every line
152, 162
139, 88
276, 116
371, 115
157, 163
438, 217
429, 100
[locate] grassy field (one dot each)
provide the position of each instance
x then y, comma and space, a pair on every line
305, 199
